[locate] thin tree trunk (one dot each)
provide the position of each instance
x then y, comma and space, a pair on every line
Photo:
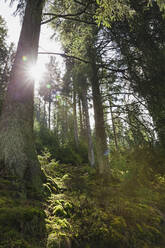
45, 115
17, 151
75, 120
91, 156
113, 125
39, 110
49, 110
80, 117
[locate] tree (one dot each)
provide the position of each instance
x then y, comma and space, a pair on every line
81, 85
82, 43
5, 60
142, 47
141, 42
17, 151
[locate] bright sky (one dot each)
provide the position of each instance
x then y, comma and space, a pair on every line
14, 26
45, 45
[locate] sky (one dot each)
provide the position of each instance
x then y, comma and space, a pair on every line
45, 45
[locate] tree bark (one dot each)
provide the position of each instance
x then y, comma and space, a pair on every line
45, 115
80, 118
17, 150
113, 124
101, 140
49, 110
91, 156
75, 120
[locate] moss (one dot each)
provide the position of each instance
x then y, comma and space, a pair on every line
104, 215
20, 224
68, 206
27, 220
66, 177
55, 242
6, 201
88, 211
46, 189
52, 182
59, 211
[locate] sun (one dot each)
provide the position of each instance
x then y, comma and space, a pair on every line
35, 72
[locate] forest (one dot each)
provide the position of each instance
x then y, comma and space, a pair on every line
82, 152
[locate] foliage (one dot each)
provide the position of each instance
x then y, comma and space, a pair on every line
141, 43
109, 11
21, 220
124, 209
47, 140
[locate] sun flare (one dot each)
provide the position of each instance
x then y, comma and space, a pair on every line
35, 72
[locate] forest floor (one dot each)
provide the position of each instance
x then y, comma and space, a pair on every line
79, 208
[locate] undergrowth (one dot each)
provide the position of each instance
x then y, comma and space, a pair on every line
79, 208
22, 220
124, 209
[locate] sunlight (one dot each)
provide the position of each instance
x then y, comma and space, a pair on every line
35, 72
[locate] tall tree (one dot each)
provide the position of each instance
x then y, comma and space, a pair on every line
101, 140
5, 60
141, 42
17, 151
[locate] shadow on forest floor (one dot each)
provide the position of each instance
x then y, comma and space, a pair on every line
22, 220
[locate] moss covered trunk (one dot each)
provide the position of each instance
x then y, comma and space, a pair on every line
17, 151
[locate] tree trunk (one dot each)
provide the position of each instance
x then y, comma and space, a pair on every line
45, 115
113, 124
80, 118
75, 120
38, 109
101, 142
17, 151
156, 106
49, 110
91, 157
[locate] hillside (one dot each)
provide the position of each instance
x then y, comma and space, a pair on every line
79, 208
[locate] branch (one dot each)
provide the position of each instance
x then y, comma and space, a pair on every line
80, 59
70, 19
67, 15
79, 20
63, 16
65, 56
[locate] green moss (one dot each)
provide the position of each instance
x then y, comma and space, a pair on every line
6, 201
46, 190
59, 211
20, 224
55, 241
68, 206
119, 211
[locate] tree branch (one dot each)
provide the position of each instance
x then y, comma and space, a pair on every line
65, 56
81, 60
70, 19
68, 16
